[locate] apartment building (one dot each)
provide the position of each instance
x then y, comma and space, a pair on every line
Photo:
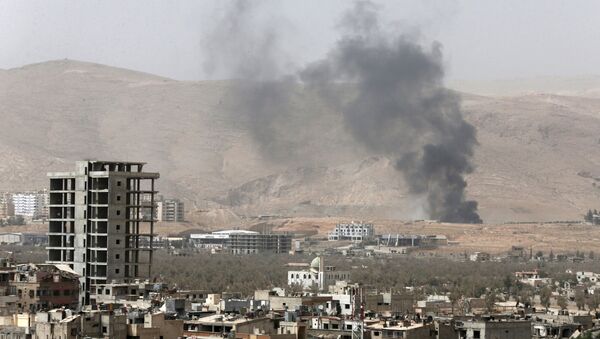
101, 222
170, 210
354, 231
31, 204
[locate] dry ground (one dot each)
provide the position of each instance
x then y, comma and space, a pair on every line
485, 237
537, 158
491, 238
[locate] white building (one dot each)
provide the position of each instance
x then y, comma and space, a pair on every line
589, 276
11, 238
317, 275
354, 231
217, 239
31, 204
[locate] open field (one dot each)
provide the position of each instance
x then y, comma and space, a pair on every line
562, 237
493, 238
162, 229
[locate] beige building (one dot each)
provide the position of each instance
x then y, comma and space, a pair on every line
7, 208
62, 324
156, 326
104, 324
485, 328
57, 324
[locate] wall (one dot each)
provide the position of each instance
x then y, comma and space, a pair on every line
280, 303
263, 325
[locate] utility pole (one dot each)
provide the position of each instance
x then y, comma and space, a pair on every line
358, 329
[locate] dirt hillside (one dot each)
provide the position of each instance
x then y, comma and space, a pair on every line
537, 157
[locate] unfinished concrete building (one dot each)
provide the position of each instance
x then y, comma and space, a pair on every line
101, 222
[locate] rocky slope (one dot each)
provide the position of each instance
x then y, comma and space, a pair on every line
538, 156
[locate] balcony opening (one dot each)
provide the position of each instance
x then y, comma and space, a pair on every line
99, 184
54, 240
54, 255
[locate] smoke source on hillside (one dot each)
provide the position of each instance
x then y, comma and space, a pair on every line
398, 106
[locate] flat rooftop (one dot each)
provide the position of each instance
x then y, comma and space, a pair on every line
221, 319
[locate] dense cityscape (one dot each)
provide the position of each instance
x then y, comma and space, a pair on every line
282, 169
106, 274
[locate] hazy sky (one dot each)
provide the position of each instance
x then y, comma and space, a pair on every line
481, 39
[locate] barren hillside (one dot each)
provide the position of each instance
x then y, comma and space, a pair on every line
538, 156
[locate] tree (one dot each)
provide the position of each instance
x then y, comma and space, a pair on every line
314, 289
508, 284
490, 301
562, 302
551, 256
525, 298
295, 289
16, 220
589, 216
580, 299
545, 295
591, 255
454, 297
593, 301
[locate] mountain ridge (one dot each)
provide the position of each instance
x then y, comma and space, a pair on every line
531, 147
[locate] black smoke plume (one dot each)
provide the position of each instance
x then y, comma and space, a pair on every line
398, 107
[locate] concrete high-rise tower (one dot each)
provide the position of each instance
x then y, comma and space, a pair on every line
101, 222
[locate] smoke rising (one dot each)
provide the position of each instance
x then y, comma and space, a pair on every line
246, 44
398, 107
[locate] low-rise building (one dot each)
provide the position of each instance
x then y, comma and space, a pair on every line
115, 293
156, 326
587, 276
23, 239
404, 329
395, 303
486, 328
11, 238
244, 242
562, 325
518, 253
221, 325
57, 324
480, 256
103, 324
45, 286
284, 303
